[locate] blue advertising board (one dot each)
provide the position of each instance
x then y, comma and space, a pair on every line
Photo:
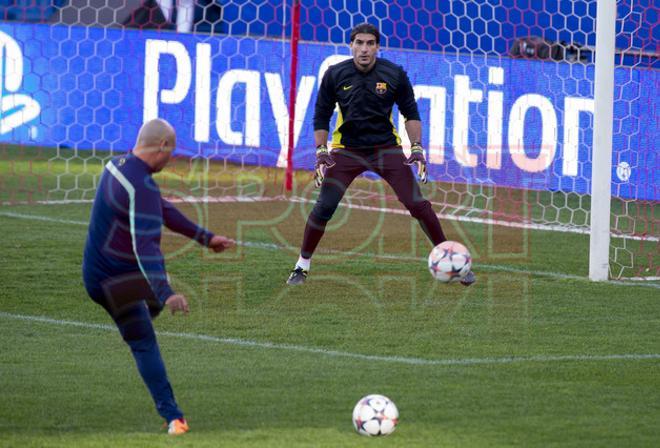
487, 121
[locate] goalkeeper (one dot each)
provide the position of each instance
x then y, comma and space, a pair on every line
365, 88
123, 267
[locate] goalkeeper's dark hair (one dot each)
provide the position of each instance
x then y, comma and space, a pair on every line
365, 28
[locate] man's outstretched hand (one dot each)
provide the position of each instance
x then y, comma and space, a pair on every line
177, 302
219, 243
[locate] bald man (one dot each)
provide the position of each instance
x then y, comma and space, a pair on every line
123, 267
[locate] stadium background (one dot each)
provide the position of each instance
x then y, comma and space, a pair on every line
480, 25
91, 93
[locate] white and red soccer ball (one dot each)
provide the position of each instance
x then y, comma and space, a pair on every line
449, 261
375, 415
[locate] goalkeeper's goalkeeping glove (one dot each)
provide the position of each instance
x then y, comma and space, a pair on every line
323, 161
417, 158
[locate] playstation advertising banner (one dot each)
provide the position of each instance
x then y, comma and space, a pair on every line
487, 121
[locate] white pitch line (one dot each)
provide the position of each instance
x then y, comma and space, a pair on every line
272, 246
341, 354
42, 218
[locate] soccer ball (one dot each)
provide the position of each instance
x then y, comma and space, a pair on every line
375, 415
449, 261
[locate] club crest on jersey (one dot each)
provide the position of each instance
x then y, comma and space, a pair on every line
381, 88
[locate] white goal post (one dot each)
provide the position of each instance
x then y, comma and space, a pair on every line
601, 177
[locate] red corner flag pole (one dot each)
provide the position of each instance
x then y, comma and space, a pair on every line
295, 37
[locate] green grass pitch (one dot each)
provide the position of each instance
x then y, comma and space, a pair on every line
532, 355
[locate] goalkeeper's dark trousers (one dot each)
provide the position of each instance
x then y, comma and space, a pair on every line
388, 164
134, 320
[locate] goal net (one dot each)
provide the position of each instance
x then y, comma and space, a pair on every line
505, 93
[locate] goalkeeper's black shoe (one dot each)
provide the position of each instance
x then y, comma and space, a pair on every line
297, 276
469, 279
